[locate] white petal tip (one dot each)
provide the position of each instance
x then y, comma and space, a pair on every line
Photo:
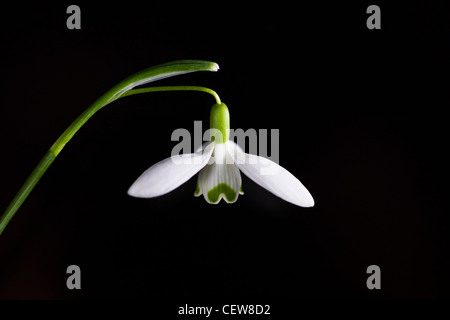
309, 205
133, 194
138, 190
305, 203
215, 67
301, 197
133, 191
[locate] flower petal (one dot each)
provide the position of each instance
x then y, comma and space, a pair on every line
221, 179
272, 177
169, 174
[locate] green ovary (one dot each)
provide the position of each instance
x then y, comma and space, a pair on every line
221, 188
220, 121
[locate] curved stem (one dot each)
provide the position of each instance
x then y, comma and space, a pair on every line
122, 89
26, 188
173, 88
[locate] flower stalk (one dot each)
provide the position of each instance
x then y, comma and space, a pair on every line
122, 89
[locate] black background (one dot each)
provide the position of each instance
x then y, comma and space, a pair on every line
363, 124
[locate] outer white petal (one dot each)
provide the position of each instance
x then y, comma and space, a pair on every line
202, 147
272, 177
169, 174
221, 179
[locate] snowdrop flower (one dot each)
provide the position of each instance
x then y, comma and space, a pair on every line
219, 163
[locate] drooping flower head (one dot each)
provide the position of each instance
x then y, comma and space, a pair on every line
219, 164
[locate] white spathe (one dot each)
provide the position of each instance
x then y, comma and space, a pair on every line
220, 164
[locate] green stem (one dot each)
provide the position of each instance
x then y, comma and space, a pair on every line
123, 89
173, 88
25, 190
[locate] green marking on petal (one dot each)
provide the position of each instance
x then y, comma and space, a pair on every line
222, 188
240, 190
197, 190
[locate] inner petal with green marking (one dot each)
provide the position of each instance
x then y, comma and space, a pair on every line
222, 189
220, 179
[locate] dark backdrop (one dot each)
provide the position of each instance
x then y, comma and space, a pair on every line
362, 120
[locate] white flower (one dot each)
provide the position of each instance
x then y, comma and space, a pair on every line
219, 164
